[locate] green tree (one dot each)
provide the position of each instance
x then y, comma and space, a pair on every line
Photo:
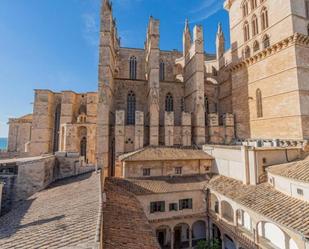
214, 244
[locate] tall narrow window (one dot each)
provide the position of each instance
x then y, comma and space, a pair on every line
169, 103
83, 148
264, 18
206, 103
259, 104
256, 46
133, 68
131, 105
245, 8
162, 71
266, 41
255, 26
57, 128
247, 52
246, 31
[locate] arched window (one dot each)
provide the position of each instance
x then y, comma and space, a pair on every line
253, 4
255, 25
162, 71
264, 18
57, 128
131, 105
259, 104
247, 52
133, 67
266, 41
169, 103
245, 8
82, 109
206, 103
83, 148
256, 46
246, 31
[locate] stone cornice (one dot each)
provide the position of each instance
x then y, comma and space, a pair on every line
296, 39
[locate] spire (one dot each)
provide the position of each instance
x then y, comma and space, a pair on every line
219, 32
187, 29
220, 42
186, 38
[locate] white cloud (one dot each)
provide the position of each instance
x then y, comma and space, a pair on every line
206, 10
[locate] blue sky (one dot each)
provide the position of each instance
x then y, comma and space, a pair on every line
53, 44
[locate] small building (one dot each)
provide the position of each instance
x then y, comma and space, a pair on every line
163, 161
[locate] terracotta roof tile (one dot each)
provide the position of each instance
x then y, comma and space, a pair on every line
165, 153
64, 215
125, 223
298, 170
267, 201
155, 185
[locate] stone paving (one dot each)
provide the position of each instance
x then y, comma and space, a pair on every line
63, 216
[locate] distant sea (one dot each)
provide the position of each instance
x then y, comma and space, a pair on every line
3, 143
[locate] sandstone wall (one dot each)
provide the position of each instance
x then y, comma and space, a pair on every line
165, 168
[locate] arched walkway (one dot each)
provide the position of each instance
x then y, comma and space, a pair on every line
182, 236
227, 211
273, 235
214, 203
198, 232
163, 234
244, 220
228, 242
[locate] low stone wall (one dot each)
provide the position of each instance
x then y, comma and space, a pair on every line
33, 176
70, 164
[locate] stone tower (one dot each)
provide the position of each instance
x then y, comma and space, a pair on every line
109, 43
194, 81
152, 72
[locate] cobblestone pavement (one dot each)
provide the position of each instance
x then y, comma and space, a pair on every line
63, 216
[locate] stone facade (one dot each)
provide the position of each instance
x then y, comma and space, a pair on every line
147, 96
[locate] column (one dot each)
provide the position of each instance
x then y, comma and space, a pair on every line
190, 237
222, 239
172, 238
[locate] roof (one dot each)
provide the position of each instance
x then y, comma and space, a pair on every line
265, 200
165, 153
298, 170
157, 185
64, 215
125, 223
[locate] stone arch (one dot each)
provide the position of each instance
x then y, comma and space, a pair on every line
227, 211
214, 203
82, 135
244, 219
164, 236
274, 235
228, 242
198, 231
182, 235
